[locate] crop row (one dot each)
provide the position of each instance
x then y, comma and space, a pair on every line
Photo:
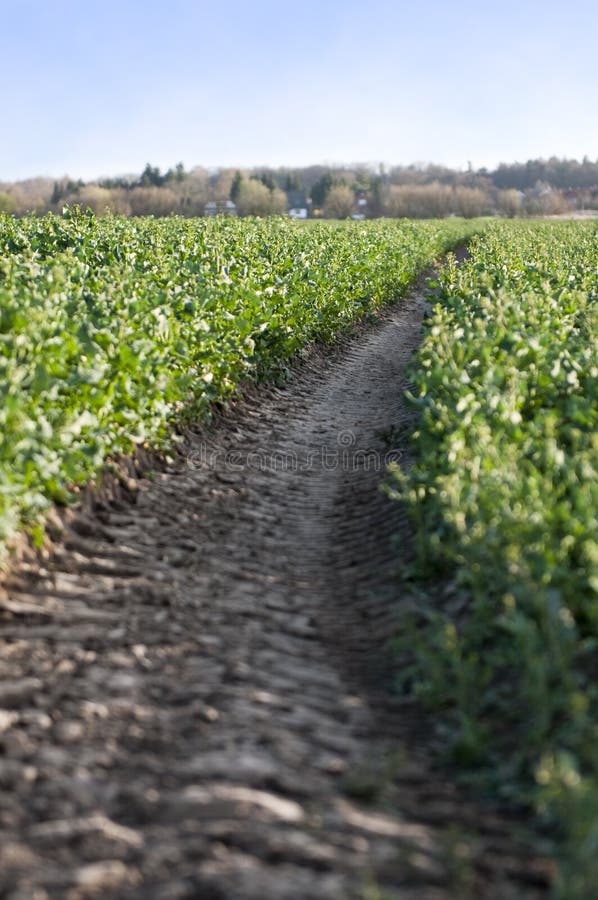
113, 329
504, 495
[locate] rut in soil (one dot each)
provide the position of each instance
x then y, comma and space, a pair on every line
197, 696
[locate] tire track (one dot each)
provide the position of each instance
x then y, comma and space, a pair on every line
195, 684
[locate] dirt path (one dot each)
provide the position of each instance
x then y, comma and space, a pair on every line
194, 699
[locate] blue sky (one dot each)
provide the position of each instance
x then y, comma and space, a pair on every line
94, 88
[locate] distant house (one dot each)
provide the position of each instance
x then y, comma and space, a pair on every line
582, 198
298, 212
220, 208
361, 204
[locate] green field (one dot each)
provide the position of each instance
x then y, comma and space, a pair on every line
115, 332
504, 496
113, 329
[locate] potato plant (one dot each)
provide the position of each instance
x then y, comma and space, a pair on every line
112, 330
504, 496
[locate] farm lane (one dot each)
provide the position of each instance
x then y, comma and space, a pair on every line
194, 693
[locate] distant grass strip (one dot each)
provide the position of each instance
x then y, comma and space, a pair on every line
112, 329
504, 495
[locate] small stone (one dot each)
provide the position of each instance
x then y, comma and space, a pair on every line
13, 694
278, 807
65, 667
36, 717
94, 710
7, 720
105, 875
69, 732
14, 855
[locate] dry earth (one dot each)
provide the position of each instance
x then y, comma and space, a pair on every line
196, 695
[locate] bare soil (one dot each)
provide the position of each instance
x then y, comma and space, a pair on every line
196, 695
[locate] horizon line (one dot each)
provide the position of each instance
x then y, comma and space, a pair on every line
363, 164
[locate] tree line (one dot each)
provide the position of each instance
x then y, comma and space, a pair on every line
537, 187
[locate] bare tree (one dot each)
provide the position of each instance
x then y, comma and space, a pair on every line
153, 201
221, 187
418, 201
470, 202
193, 192
278, 202
339, 202
31, 195
509, 202
544, 200
99, 199
253, 199
8, 204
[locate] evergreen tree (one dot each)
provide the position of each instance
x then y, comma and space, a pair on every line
235, 189
321, 188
